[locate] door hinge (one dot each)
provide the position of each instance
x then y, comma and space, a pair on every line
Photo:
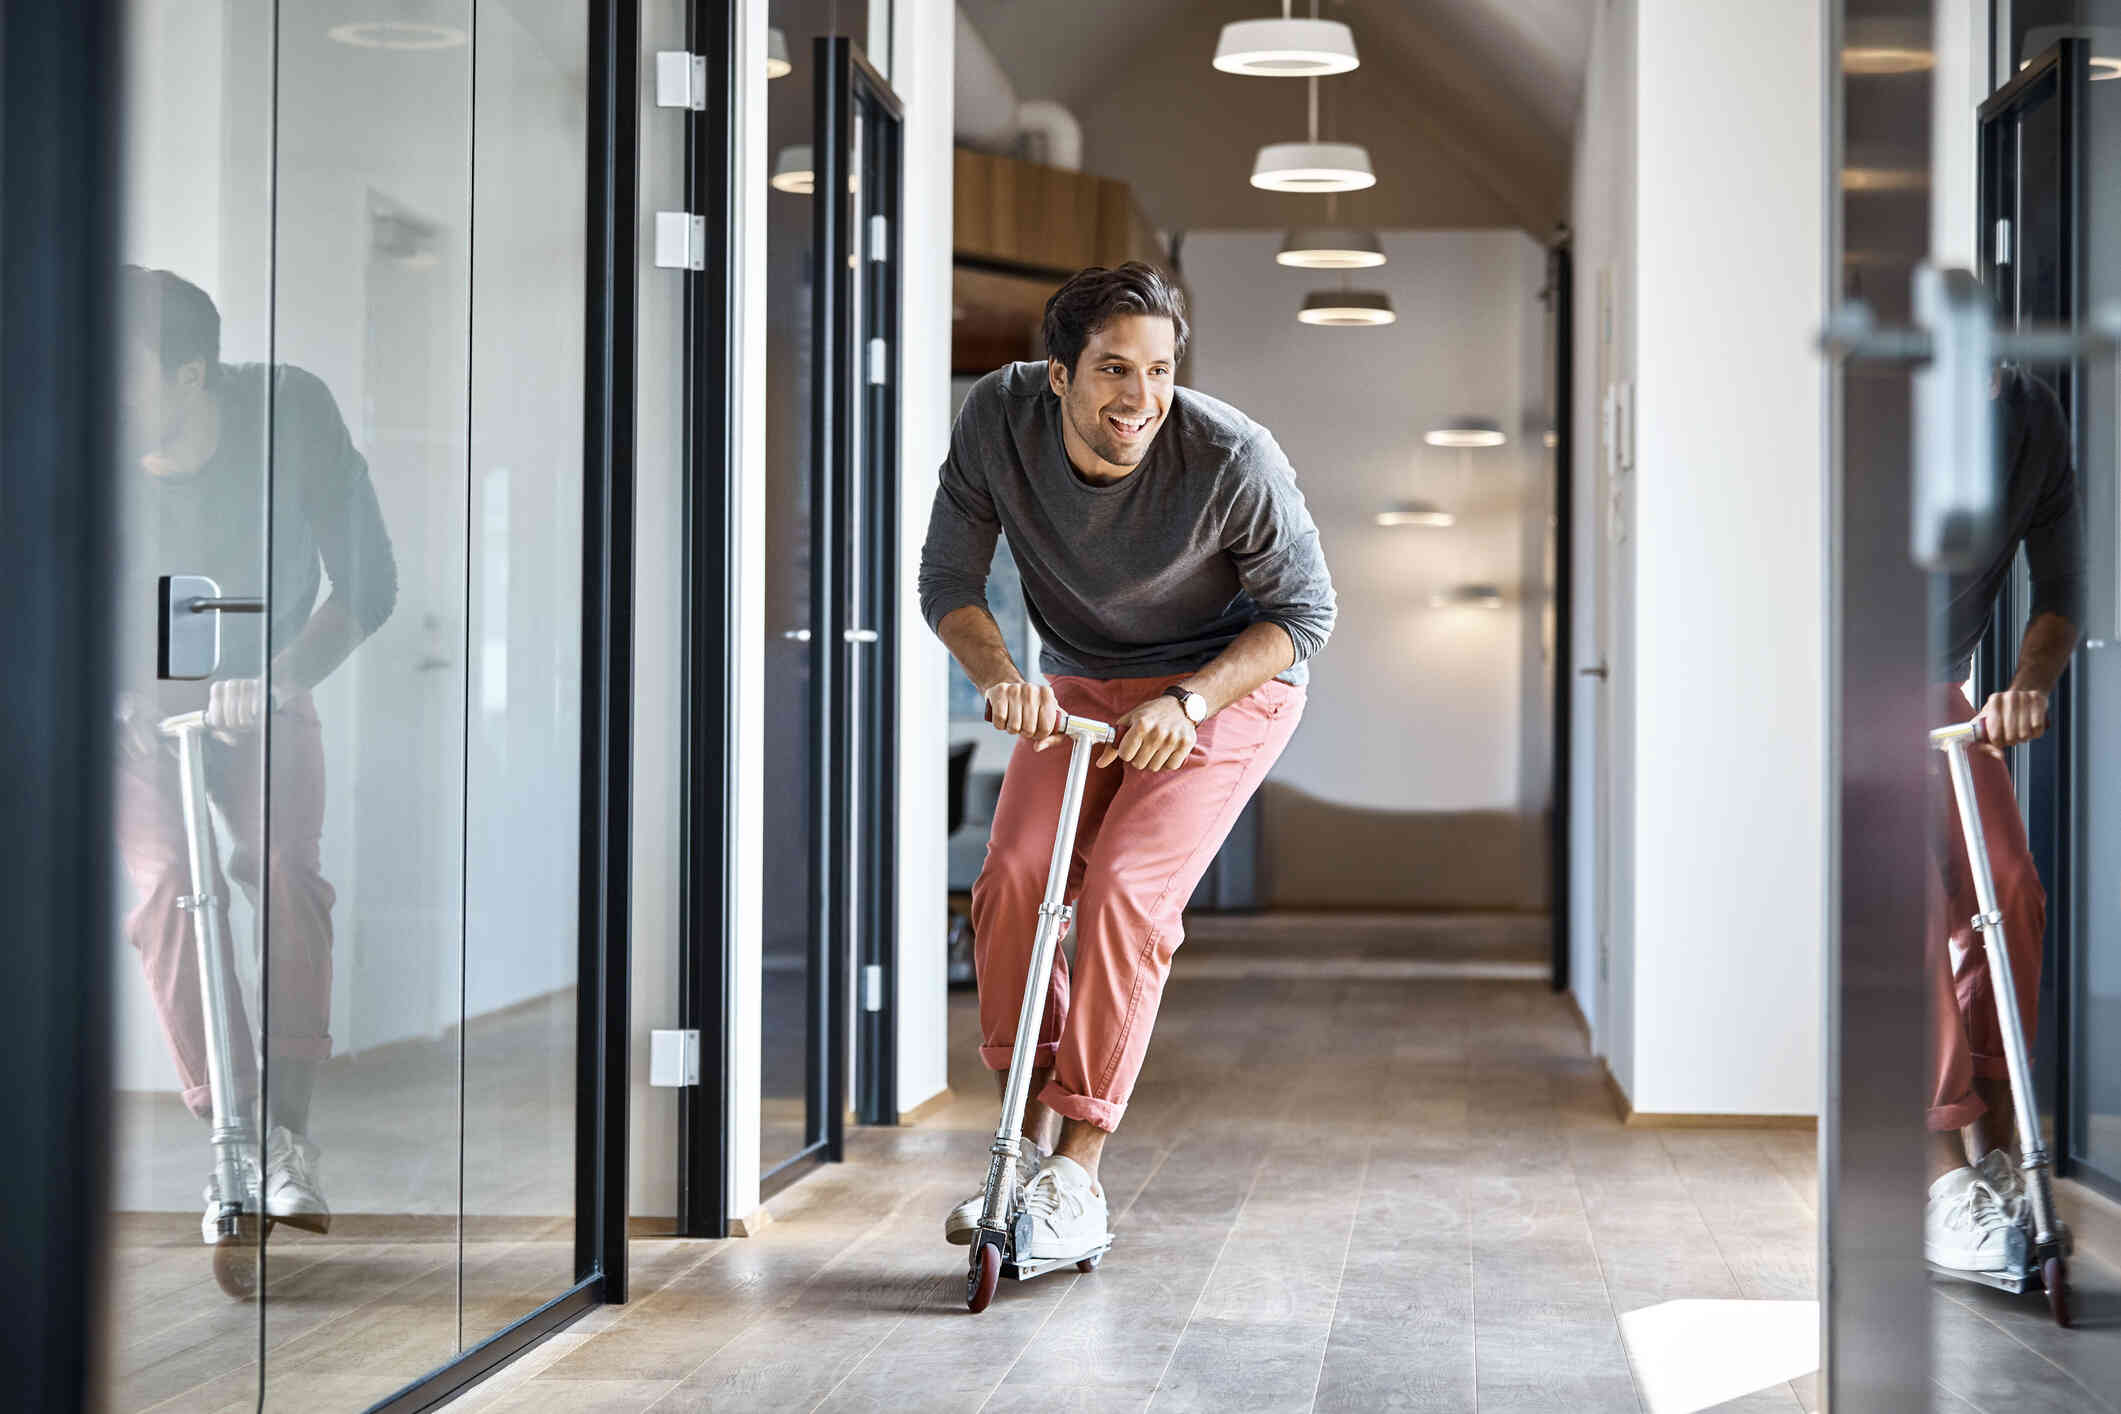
879, 237
680, 240
879, 361
872, 988
674, 1058
680, 80
2003, 240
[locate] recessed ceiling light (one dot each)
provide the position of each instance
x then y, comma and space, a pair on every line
1467, 596
1466, 432
1347, 308
1316, 167
1330, 248
793, 171
1285, 48
398, 34
1416, 513
777, 65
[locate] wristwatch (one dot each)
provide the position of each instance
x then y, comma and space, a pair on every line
1195, 705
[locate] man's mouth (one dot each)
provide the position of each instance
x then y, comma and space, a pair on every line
1130, 427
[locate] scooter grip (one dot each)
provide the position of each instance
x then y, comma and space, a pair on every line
1059, 725
1980, 731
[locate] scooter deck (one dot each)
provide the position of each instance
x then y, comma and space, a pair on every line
2014, 1282
1025, 1271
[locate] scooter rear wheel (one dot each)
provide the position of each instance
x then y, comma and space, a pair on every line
1089, 1264
236, 1262
984, 1274
2054, 1273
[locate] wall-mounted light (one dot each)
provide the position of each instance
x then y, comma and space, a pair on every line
1417, 513
1347, 308
794, 171
1330, 248
777, 64
1466, 432
1467, 596
1285, 48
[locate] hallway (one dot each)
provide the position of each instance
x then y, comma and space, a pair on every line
1351, 1194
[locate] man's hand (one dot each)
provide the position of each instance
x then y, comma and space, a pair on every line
1028, 710
235, 705
2012, 716
1156, 736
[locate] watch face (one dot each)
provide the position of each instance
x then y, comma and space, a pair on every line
1196, 708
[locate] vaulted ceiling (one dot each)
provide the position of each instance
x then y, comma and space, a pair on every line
1467, 106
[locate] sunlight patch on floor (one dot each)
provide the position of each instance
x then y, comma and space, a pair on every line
1692, 1355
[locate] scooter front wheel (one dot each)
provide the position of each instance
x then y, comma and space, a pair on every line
983, 1276
2054, 1274
236, 1261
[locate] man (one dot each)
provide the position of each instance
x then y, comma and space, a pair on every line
194, 439
1175, 579
1976, 1212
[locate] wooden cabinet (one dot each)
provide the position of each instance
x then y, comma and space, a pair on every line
1043, 218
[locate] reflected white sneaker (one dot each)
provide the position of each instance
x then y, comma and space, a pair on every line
964, 1218
292, 1195
1068, 1216
2001, 1172
210, 1221
1968, 1228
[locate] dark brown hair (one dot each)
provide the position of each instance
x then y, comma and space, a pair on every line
173, 317
1094, 297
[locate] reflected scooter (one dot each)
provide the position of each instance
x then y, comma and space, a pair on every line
235, 1227
2048, 1257
1004, 1228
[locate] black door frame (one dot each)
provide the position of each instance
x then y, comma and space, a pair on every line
1560, 295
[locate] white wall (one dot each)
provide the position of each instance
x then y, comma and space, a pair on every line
1411, 707
1727, 606
922, 50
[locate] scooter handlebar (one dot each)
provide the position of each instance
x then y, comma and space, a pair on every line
1975, 731
1080, 727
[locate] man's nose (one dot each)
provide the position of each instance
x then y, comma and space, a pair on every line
1138, 391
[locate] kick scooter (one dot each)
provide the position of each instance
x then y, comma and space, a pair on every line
236, 1225
2048, 1258
1004, 1229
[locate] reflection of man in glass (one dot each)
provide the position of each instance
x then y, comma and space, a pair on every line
195, 431
1977, 1211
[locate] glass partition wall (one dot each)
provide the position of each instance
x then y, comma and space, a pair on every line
352, 1091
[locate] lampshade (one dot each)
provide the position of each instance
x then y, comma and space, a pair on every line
1467, 596
1878, 45
1347, 308
777, 65
1331, 248
1285, 48
793, 171
1417, 513
1312, 167
1466, 432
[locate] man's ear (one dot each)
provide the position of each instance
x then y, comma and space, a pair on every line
192, 374
1057, 377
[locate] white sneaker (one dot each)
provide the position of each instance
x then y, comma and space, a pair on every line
964, 1218
2000, 1172
292, 1195
1068, 1216
1967, 1227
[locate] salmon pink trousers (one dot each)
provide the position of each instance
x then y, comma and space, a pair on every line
1143, 843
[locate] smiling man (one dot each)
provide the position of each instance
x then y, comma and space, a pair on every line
1176, 582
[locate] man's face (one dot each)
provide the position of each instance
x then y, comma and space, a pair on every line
1121, 387
154, 403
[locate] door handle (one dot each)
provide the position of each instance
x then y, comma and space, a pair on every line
188, 625
1955, 492
859, 635
796, 635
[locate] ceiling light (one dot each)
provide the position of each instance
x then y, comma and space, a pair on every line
1883, 179
1466, 432
777, 65
1416, 513
1330, 248
1312, 167
793, 171
2042, 38
398, 34
1467, 596
1286, 48
1347, 308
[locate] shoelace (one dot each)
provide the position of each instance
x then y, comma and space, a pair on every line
1045, 1198
1980, 1207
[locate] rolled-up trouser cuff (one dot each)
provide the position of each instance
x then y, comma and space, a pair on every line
199, 1099
1105, 1114
997, 1057
1945, 1118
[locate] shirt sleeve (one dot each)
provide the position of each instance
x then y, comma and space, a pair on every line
338, 498
962, 527
1274, 544
2054, 537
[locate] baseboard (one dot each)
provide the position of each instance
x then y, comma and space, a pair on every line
1633, 1118
2094, 1220
752, 1225
927, 1108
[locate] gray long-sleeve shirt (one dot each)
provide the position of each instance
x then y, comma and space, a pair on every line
1147, 576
